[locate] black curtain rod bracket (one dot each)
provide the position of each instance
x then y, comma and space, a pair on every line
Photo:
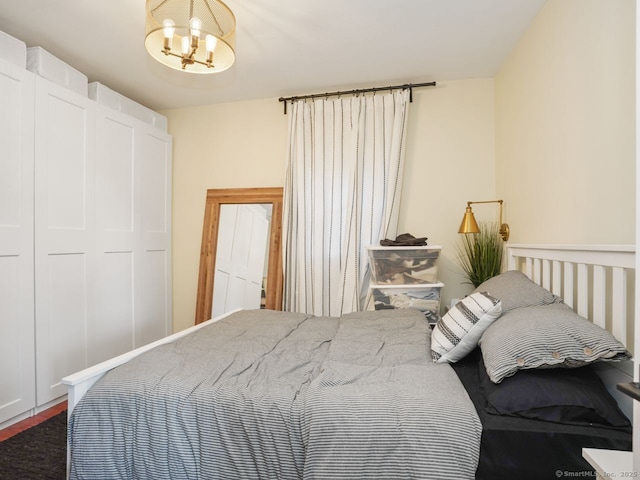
409, 86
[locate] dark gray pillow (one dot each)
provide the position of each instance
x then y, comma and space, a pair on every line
574, 396
514, 289
545, 337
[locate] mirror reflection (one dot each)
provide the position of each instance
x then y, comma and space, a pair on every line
240, 256
240, 278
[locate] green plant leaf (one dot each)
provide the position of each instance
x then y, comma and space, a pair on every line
480, 254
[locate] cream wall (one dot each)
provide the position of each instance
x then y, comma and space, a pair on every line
565, 125
450, 156
553, 135
449, 160
230, 145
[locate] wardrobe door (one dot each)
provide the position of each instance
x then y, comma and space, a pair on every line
64, 234
17, 369
153, 308
117, 200
133, 235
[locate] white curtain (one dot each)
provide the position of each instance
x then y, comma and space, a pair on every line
342, 193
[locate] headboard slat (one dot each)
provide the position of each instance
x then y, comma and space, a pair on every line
546, 274
567, 293
599, 296
582, 292
619, 305
537, 269
556, 284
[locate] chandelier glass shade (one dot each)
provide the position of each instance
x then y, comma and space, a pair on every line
195, 36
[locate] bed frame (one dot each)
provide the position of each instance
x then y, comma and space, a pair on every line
597, 281
79, 383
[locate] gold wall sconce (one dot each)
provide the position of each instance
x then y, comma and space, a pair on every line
469, 224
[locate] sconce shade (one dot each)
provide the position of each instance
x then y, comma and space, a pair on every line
194, 36
469, 224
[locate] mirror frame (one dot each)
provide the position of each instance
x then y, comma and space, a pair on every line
216, 198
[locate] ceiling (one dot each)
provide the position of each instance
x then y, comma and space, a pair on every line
283, 47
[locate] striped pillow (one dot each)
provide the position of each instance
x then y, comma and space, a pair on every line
545, 336
458, 331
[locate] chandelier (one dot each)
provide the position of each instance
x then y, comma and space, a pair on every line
195, 36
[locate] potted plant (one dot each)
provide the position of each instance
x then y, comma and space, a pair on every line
480, 254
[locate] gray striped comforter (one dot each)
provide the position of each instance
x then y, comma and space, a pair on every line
272, 395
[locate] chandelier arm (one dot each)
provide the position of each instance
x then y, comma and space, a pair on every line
190, 57
159, 5
202, 63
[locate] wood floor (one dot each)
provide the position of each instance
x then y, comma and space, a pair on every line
31, 421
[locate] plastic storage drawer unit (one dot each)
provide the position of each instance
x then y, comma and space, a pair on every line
404, 265
425, 298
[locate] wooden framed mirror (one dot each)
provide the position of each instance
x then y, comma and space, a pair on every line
212, 239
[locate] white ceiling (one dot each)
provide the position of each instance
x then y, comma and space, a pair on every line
283, 47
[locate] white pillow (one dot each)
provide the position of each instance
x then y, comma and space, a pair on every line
458, 331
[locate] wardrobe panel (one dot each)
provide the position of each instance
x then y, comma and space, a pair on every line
115, 179
110, 331
153, 312
64, 234
11, 102
67, 176
62, 347
17, 328
10, 384
153, 321
156, 184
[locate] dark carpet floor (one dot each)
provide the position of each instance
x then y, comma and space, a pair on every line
39, 453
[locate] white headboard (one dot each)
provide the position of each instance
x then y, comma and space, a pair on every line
595, 280
598, 282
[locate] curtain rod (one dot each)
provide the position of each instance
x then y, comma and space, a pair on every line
409, 86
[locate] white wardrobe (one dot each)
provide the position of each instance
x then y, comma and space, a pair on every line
85, 237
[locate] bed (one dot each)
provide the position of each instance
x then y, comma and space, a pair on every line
262, 394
